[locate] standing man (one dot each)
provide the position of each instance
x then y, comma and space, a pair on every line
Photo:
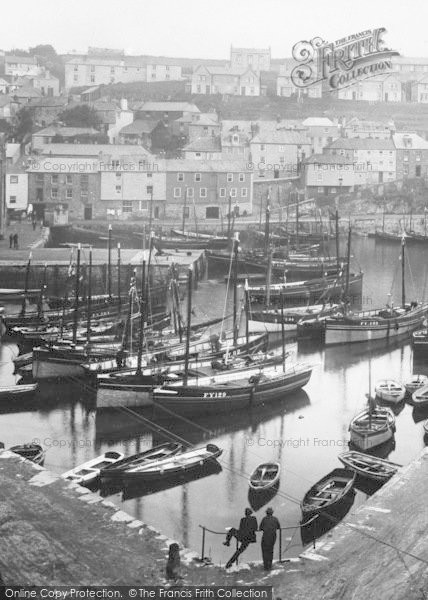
246, 534
11, 240
269, 526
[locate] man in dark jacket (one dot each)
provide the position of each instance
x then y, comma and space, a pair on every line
269, 526
246, 535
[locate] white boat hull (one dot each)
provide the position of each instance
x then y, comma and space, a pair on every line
262, 326
56, 368
111, 398
367, 441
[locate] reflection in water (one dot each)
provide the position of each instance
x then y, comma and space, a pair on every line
325, 521
304, 432
258, 499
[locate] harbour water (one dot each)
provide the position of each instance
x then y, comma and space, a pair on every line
305, 432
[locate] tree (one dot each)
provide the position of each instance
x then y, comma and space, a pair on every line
24, 124
80, 116
48, 58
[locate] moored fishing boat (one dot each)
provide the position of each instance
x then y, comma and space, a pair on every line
369, 467
227, 392
90, 470
178, 464
265, 476
389, 390
372, 427
328, 493
115, 470
271, 319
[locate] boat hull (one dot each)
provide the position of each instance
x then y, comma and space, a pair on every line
343, 333
212, 400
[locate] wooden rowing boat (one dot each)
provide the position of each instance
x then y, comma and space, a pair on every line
90, 470
328, 493
420, 397
372, 427
265, 476
33, 452
389, 390
115, 470
13, 391
369, 467
415, 382
178, 464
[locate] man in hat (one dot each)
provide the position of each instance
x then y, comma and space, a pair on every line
246, 535
269, 526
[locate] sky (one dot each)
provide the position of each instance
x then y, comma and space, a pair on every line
207, 28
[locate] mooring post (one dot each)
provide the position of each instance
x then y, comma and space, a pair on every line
203, 543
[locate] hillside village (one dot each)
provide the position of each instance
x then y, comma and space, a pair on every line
109, 136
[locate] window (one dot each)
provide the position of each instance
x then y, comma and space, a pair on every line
244, 192
229, 177
233, 192
198, 154
212, 212
12, 199
127, 206
54, 193
241, 177
143, 205
84, 181
333, 190
92, 78
177, 192
39, 194
222, 193
39, 178
69, 194
83, 193
54, 178
118, 189
149, 174
69, 179
320, 190
203, 193
282, 148
75, 78
180, 176
149, 189
262, 159
112, 70
262, 147
190, 193
186, 212
197, 177
14, 179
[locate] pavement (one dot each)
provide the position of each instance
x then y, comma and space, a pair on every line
27, 237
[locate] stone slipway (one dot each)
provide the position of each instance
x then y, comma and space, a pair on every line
56, 533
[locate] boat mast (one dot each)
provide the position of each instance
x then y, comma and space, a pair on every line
27, 278
403, 280
76, 295
282, 331
142, 318
348, 266
336, 218
109, 263
118, 278
229, 217
89, 299
188, 325
268, 277
42, 291
297, 219
267, 224
247, 313
184, 210
235, 288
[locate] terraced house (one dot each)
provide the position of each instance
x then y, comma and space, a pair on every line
203, 188
236, 81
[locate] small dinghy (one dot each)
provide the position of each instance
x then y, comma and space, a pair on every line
415, 382
33, 452
369, 467
116, 469
90, 470
326, 495
180, 464
265, 476
372, 427
389, 390
420, 397
13, 391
